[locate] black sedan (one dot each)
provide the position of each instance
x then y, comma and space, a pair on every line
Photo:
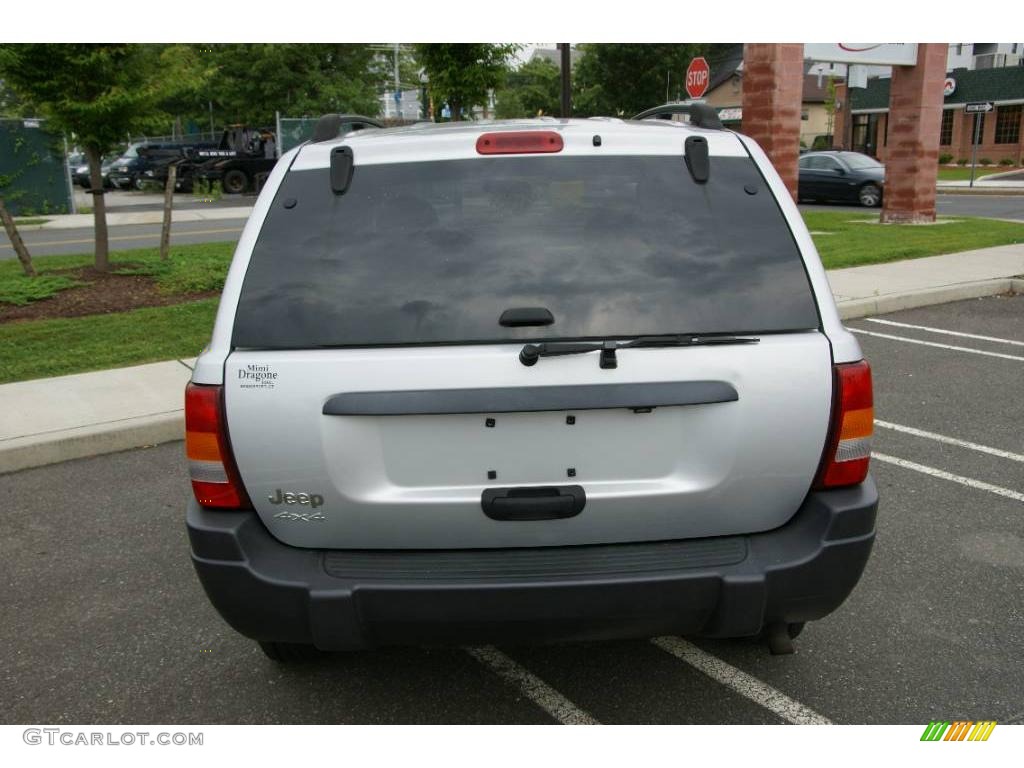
841, 177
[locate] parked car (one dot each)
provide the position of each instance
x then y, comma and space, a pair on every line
527, 380
143, 161
80, 172
838, 176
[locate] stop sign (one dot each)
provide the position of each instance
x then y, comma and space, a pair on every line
698, 75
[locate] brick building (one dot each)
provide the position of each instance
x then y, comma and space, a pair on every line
1002, 130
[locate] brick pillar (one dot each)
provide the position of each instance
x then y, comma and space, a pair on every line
773, 80
915, 118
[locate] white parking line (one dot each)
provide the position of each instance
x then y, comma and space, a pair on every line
742, 683
535, 689
942, 474
951, 440
936, 344
943, 331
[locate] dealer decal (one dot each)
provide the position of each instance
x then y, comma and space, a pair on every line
255, 376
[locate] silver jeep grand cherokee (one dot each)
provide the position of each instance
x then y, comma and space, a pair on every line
530, 380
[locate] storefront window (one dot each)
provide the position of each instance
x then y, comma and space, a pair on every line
1008, 124
946, 132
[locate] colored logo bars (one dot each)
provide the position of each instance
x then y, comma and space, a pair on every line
959, 730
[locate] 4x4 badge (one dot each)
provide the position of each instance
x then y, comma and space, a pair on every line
307, 517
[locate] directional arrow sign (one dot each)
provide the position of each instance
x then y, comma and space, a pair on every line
978, 106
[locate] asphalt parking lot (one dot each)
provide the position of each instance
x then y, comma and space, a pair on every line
103, 619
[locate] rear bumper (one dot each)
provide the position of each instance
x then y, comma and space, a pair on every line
720, 587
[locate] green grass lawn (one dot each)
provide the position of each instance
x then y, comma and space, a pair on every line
39, 348
30, 221
963, 173
190, 269
845, 241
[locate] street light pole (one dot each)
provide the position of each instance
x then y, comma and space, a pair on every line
566, 83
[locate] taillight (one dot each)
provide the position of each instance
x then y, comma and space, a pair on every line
215, 479
848, 450
519, 143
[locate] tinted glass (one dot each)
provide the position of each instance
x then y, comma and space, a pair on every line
435, 252
858, 161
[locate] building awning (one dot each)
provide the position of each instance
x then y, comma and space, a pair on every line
1002, 85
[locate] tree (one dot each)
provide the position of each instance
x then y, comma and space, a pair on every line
12, 105
623, 79
533, 89
255, 80
19, 245
99, 93
460, 74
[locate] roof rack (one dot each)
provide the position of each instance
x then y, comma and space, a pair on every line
328, 126
701, 115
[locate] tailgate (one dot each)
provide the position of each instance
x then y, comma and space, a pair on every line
384, 469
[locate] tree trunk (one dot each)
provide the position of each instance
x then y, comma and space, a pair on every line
99, 209
16, 241
165, 231
456, 108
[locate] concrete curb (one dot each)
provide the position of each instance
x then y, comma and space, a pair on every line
894, 302
94, 440
995, 192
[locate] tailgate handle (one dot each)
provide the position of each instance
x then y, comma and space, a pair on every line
533, 503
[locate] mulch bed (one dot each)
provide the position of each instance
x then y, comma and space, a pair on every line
104, 293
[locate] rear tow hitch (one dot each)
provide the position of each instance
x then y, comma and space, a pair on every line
780, 636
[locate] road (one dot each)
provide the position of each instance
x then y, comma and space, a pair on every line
142, 236
990, 206
52, 241
104, 620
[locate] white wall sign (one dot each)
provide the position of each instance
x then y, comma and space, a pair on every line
949, 87
897, 54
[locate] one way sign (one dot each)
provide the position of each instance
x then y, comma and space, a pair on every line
978, 106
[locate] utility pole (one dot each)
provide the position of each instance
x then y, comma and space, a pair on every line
566, 79
398, 86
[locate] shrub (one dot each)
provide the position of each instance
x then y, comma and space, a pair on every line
821, 142
1006, 161
20, 290
962, 161
945, 158
985, 161
208, 189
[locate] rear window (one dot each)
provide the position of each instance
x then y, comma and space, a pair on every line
434, 252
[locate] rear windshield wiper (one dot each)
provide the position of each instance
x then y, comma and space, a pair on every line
531, 353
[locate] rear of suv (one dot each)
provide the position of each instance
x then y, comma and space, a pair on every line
533, 380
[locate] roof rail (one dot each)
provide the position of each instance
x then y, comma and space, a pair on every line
328, 126
701, 115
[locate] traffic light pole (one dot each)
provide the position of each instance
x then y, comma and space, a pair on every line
566, 84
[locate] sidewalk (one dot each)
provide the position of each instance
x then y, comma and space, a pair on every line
1010, 183
50, 420
80, 220
861, 291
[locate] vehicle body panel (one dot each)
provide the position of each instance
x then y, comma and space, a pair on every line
416, 481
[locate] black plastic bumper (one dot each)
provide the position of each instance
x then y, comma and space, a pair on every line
719, 587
